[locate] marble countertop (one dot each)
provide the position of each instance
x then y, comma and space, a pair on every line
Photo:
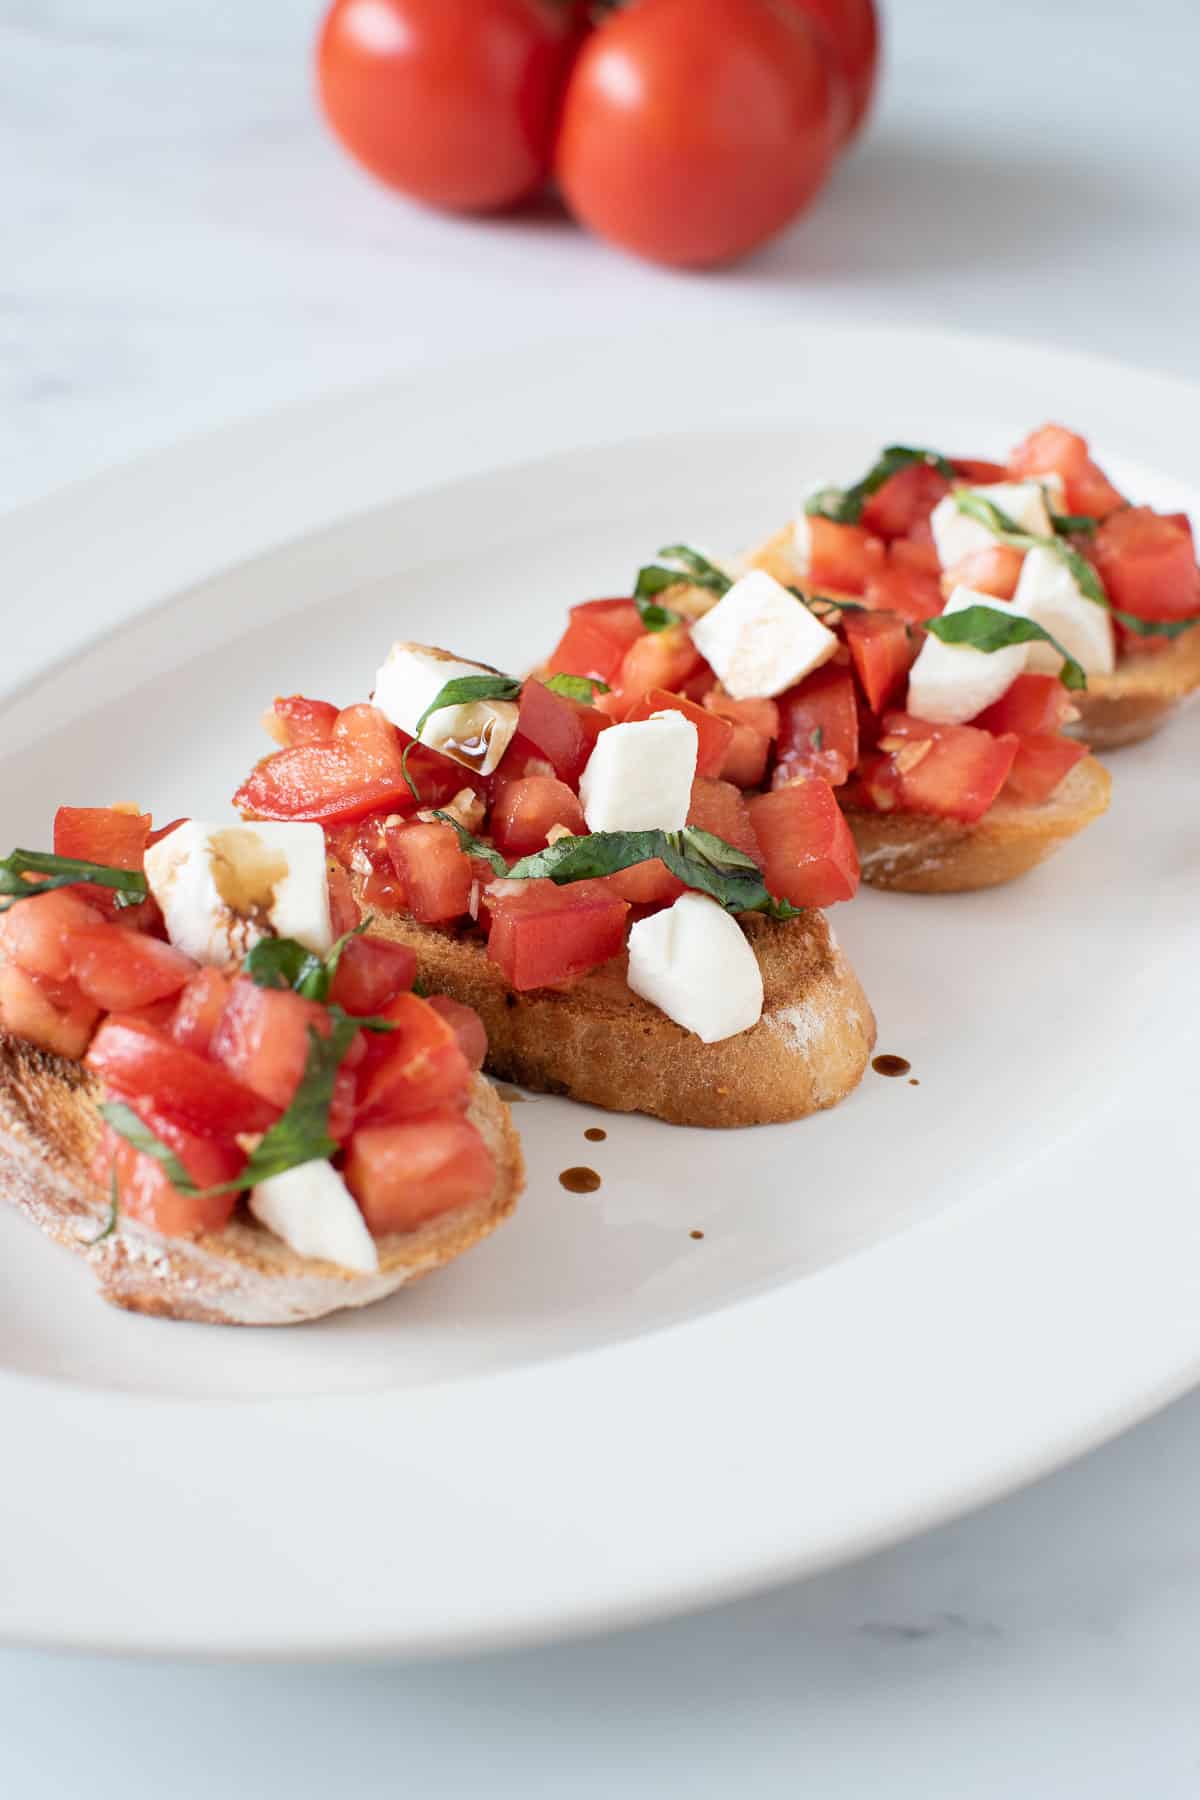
183, 247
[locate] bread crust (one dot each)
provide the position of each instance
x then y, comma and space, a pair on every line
1139, 697
596, 1041
913, 854
244, 1275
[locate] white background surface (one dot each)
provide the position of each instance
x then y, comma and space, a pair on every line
181, 246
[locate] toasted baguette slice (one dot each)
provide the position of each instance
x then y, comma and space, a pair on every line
1140, 695
243, 1275
912, 854
597, 1041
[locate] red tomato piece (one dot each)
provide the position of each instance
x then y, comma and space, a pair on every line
659, 659
1147, 563
849, 32
541, 934
563, 731
720, 807
37, 932
295, 720
842, 557
343, 907
761, 715
905, 500
262, 1038
145, 1191
1053, 450
745, 762
140, 1063
808, 853
121, 970
958, 777
198, 1010
402, 1175
906, 584
818, 729
977, 471
1040, 764
54, 1017
102, 834
526, 811
1035, 705
596, 639
713, 733
995, 570
882, 651
646, 884
417, 1065
466, 1025
371, 972
358, 771
435, 871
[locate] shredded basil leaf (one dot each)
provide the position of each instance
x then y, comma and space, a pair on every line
577, 687
813, 601
130, 885
465, 689
681, 566
1072, 524
108, 1229
986, 628
1163, 628
413, 789
474, 846
845, 505
283, 963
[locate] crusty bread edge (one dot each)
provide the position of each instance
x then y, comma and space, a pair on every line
241, 1276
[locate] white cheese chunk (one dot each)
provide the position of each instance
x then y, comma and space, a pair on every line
475, 734
1048, 592
313, 1211
224, 887
639, 776
760, 639
950, 683
956, 536
693, 962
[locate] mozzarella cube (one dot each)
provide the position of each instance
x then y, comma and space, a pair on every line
313, 1211
639, 776
760, 639
950, 683
222, 888
1048, 592
693, 962
475, 734
957, 536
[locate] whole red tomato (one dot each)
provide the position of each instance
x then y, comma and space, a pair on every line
695, 129
454, 101
850, 32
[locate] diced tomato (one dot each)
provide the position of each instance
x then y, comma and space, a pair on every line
818, 728
262, 1038
658, 659
295, 720
761, 715
714, 734
882, 650
523, 758
466, 1025
541, 934
595, 641
1040, 764
697, 686
198, 1010
417, 1065
746, 759
434, 869
343, 907
1053, 450
563, 731
53, 1016
646, 884
905, 500
101, 834
526, 811
145, 1191
1034, 705
958, 777
37, 932
808, 853
841, 557
138, 1062
371, 972
720, 807
120, 970
995, 570
1147, 563
978, 471
906, 584
358, 771
402, 1175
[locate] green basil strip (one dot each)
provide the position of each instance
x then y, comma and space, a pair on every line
283, 963
1071, 524
475, 846
845, 505
109, 1227
300, 1136
130, 885
985, 628
465, 689
813, 601
1164, 628
681, 566
577, 687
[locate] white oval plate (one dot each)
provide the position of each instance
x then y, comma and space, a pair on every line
898, 1310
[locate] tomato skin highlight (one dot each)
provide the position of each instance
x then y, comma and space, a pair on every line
452, 101
694, 130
